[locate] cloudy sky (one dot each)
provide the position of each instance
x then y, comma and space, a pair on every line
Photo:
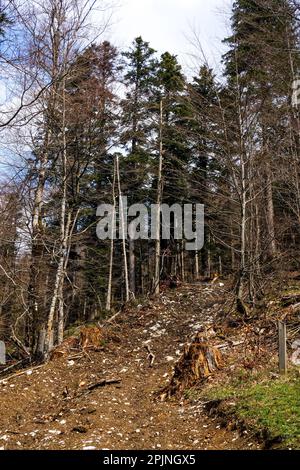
172, 24
169, 25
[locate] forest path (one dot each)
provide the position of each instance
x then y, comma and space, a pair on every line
48, 409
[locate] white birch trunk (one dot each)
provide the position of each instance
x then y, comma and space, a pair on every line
158, 203
121, 210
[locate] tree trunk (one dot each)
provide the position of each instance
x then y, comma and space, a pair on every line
240, 286
158, 204
270, 211
182, 261
65, 224
121, 211
111, 258
131, 267
196, 265
35, 281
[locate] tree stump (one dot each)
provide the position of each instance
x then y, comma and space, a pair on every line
90, 337
65, 348
198, 362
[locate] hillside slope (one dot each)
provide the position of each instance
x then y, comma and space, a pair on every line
52, 408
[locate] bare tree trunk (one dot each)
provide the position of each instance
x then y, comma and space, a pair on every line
241, 307
50, 323
220, 266
61, 318
131, 267
36, 254
158, 203
65, 225
232, 246
111, 258
58, 287
270, 211
240, 286
182, 261
121, 210
294, 145
196, 265
209, 256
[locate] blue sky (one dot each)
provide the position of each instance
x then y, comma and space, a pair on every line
171, 24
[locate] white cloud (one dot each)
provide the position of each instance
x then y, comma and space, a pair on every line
169, 25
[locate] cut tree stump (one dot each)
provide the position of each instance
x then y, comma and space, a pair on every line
90, 337
65, 348
198, 362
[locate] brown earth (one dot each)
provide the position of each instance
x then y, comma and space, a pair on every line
51, 407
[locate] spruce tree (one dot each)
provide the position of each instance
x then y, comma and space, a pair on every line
171, 89
259, 68
176, 149
140, 70
205, 167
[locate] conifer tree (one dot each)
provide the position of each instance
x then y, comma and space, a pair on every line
205, 167
176, 151
259, 69
140, 70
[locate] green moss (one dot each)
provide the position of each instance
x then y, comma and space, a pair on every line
72, 330
191, 394
272, 405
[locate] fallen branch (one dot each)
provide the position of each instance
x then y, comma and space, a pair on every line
296, 306
24, 351
291, 299
151, 356
12, 366
76, 356
102, 383
111, 319
231, 344
18, 374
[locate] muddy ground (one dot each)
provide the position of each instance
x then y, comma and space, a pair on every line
52, 408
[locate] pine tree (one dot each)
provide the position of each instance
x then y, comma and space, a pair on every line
259, 69
140, 81
176, 150
4, 22
171, 91
92, 123
205, 168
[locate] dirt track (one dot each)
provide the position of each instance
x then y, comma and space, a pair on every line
48, 408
